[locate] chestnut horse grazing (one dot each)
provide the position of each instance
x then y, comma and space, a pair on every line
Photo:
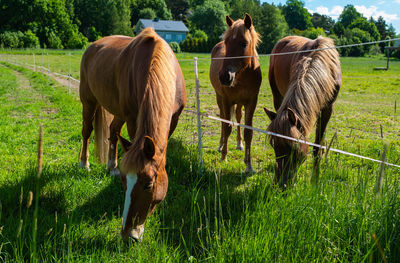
137, 81
237, 81
304, 86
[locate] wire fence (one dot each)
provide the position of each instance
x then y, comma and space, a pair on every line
41, 68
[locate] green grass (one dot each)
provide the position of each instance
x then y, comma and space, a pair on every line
224, 216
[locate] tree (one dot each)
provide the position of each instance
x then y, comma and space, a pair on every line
364, 25
272, 27
296, 15
349, 15
322, 21
210, 17
159, 6
179, 8
103, 16
147, 13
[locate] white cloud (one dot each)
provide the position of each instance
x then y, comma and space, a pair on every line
334, 12
373, 11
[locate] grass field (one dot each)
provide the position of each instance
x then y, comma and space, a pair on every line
224, 216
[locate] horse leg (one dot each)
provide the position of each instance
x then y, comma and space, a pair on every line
238, 118
248, 134
115, 129
226, 130
322, 122
222, 116
278, 98
89, 109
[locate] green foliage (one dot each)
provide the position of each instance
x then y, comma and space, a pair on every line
10, 39
106, 17
296, 15
349, 15
363, 24
322, 21
179, 9
311, 33
271, 27
196, 44
200, 34
31, 40
159, 6
210, 17
147, 13
175, 47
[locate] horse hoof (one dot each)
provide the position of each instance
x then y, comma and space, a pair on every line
240, 147
223, 158
84, 165
250, 170
114, 172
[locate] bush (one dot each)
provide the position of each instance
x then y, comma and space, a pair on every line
175, 47
77, 41
31, 40
10, 39
311, 32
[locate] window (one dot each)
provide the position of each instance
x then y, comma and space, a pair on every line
179, 37
168, 36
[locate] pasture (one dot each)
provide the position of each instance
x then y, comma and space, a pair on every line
224, 216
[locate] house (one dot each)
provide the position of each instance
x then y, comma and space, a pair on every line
171, 31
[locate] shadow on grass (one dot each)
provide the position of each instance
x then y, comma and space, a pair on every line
193, 209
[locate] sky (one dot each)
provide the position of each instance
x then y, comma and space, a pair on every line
388, 9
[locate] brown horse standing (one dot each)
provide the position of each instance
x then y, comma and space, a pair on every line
237, 81
304, 86
139, 81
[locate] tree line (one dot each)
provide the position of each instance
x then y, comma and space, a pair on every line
72, 24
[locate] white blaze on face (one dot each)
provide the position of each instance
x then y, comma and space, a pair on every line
130, 183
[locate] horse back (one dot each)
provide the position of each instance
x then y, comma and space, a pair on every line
280, 66
98, 77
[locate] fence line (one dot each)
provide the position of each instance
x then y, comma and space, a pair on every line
198, 113
301, 51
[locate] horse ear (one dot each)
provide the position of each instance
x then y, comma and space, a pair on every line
149, 147
292, 117
271, 114
229, 21
124, 143
247, 21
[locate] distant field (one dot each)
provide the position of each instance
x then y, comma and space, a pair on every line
224, 216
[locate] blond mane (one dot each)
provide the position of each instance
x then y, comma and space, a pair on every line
156, 105
311, 88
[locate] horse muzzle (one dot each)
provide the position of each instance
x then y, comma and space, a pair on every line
134, 234
227, 78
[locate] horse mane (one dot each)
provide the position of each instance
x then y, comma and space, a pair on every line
311, 87
155, 104
238, 27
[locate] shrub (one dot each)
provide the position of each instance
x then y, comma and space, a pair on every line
31, 40
10, 39
175, 47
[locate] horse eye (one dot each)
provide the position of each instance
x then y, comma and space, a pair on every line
244, 45
147, 186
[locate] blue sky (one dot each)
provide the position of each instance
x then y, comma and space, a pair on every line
388, 9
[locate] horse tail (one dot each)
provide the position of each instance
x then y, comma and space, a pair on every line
102, 122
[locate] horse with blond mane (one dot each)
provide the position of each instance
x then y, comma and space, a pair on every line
237, 81
304, 86
136, 81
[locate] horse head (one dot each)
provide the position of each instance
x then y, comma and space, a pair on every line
240, 40
289, 154
144, 188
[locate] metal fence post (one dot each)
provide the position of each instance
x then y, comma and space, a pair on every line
199, 133
48, 67
69, 73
